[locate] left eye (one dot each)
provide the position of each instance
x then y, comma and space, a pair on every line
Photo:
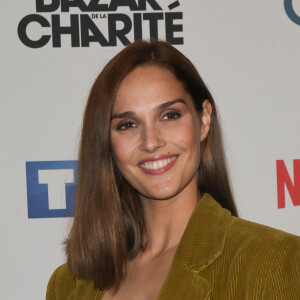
171, 115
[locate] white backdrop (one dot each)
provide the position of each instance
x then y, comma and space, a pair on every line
247, 53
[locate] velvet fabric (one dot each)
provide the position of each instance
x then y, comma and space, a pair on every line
218, 257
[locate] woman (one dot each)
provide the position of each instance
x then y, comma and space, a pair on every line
155, 217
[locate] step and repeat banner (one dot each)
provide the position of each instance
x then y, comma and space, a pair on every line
52, 50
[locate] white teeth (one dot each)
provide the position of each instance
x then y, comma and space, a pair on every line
158, 164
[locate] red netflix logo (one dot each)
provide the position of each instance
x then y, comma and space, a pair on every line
284, 179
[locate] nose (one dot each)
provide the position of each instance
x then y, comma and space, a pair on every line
152, 138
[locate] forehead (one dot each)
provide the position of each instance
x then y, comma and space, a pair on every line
148, 86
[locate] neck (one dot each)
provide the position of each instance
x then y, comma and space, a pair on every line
166, 220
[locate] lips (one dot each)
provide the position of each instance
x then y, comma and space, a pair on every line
158, 164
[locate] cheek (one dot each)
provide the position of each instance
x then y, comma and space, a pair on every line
122, 149
116, 144
186, 137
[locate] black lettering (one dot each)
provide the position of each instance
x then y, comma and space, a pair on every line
42, 7
152, 3
115, 33
66, 4
58, 30
153, 23
171, 28
174, 5
87, 26
94, 5
137, 24
116, 3
23, 34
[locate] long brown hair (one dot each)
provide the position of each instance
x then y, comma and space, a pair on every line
108, 224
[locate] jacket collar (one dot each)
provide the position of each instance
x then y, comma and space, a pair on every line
201, 244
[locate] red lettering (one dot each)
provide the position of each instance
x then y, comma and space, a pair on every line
283, 179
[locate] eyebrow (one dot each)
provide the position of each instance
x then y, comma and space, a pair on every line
161, 106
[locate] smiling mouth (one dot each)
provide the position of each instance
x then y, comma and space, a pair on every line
157, 164
157, 167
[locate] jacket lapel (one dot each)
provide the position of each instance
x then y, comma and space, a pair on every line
184, 283
201, 244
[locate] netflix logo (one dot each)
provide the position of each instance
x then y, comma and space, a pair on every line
290, 181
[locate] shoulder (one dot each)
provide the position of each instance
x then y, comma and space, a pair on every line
256, 260
64, 286
267, 255
252, 233
61, 283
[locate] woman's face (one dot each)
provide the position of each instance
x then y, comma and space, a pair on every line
156, 133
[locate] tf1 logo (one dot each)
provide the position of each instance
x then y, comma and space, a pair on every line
51, 188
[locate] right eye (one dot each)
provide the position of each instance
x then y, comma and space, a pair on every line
126, 125
171, 115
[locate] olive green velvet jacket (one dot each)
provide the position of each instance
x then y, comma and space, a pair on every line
219, 257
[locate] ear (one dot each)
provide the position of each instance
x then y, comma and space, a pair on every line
205, 119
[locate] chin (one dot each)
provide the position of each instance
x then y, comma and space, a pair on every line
161, 195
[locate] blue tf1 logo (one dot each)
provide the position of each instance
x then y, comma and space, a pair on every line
51, 188
289, 9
